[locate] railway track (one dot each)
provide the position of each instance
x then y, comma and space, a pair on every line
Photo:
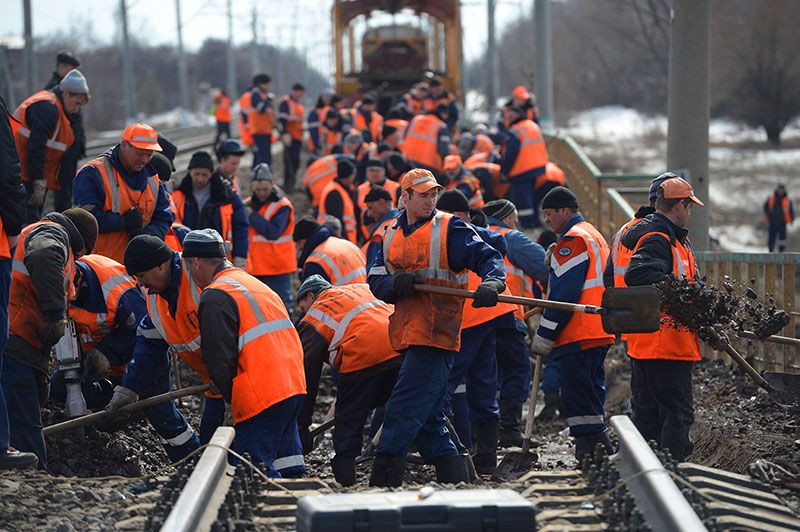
634, 489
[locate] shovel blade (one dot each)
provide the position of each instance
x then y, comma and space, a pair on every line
631, 310
514, 465
784, 387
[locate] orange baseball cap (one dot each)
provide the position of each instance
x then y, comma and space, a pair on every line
141, 136
520, 92
419, 180
451, 162
678, 188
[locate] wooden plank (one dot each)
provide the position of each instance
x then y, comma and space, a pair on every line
771, 350
757, 349
789, 288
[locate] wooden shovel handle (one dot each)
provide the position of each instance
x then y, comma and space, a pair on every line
786, 340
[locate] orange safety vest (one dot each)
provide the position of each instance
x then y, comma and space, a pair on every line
552, 173
270, 364
260, 123
787, 213
92, 326
119, 199
245, 107
483, 144
425, 319
361, 193
476, 158
356, 326
225, 215
377, 234
583, 327
341, 260
620, 255
476, 197
349, 216
399, 124
222, 108
412, 105
472, 316
321, 113
421, 143
532, 149
329, 139
5, 247
517, 282
272, 257
59, 141
375, 125
318, 175
432, 102
172, 239
499, 187
25, 317
668, 343
294, 127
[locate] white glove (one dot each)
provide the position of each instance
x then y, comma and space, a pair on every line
549, 254
37, 195
122, 396
95, 363
542, 346
239, 262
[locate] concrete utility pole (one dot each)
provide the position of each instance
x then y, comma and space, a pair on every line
544, 62
129, 85
231, 56
687, 139
30, 60
254, 56
183, 74
491, 59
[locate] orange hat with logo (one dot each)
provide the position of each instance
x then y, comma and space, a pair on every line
520, 92
678, 188
451, 162
419, 180
141, 136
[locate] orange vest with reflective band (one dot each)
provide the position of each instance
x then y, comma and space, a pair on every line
425, 319
92, 326
517, 283
318, 175
620, 255
172, 239
787, 213
668, 343
532, 149
399, 124
356, 326
421, 143
552, 173
270, 365
225, 215
377, 234
259, 123
341, 260
375, 126
245, 107
349, 216
361, 193
583, 327
25, 317
120, 198
472, 316
476, 197
294, 127
321, 113
272, 257
222, 108
59, 141
329, 139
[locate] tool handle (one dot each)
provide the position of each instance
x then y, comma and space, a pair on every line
514, 300
750, 370
786, 340
102, 415
529, 419
322, 428
533, 312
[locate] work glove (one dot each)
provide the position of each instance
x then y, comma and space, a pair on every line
37, 195
286, 138
549, 254
133, 221
95, 363
306, 440
239, 262
403, 284
486, 293
122, 396
542, 346
51, 333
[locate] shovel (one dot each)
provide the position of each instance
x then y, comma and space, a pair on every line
623, 310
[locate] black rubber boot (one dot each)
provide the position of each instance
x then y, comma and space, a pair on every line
550, 410
510, 425
485, 436
387, 471
452, 469
344, 470
585, 444
11, 458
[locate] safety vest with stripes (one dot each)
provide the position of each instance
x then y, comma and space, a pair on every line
583, 327
668, 343
318, 175
356, 326
270, 364
245, 110
293, 127
517, 282
272, 257
476, 197
532, 149
424, 319
349, 210
375, 126
421, 143
620, 255
341, 260
59, 141
119, 199
25, 316
260, 123
225, 215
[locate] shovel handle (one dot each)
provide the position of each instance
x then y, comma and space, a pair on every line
514, 300
102, 415
750, 370
786, 340
533, 312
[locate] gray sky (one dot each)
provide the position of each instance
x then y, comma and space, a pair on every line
284, 23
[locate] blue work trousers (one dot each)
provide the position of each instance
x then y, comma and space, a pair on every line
291, 163
551, 374
271, 438
263, 150
5, 291
523, 198
777, 236
513, 363
21, 393
459, 415
281, 285
213, 418
583, 390
414, 410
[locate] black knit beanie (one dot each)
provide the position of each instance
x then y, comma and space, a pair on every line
559, 198
201, 159
86, 224
304, 228
453, 201
144, 253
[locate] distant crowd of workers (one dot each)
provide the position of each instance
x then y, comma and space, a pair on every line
396, 205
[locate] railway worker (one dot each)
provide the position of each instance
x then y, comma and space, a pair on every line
43, 136
347, 327
44, 262
520, 97
396, 166
336, 199
394, 129
413, 102
663, 360
124, 193
380, 209
526, 274
367, 120
376, 177
229, 158
524, 160
245, 109
12, 217
458, 177
478, 147
361, 152
316, 117
107, 309
290, 115
65, 61
552, 177
779, 212
337, 260
427, 140
203, 200
253, 355
439, 96
261, 119
271, 256
318, 174
431, 247
222, 115
331, 133
576, 276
